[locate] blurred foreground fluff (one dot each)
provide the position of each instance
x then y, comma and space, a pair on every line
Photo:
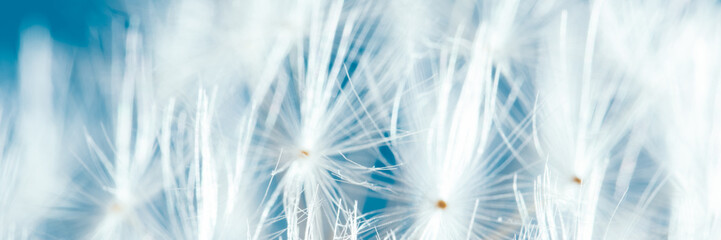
404, 119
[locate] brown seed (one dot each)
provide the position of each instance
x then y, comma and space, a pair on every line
577, 180
441, 204
304, 153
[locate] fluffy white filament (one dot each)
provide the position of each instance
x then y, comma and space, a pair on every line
350, 119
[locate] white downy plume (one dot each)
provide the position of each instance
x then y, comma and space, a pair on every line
31, 151
589, 136
319, 126
115, 194
683, 72
454, 177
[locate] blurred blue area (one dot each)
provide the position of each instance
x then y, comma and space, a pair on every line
69, 22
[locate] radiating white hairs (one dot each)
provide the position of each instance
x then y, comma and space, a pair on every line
349, 119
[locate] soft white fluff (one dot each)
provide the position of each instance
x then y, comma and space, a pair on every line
333, 119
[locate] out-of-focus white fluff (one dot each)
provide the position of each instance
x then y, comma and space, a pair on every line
687, 112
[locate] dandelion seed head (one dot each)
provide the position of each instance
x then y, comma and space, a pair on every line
366, 119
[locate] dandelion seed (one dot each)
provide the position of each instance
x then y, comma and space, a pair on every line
366, 119
304, 153
441, 204
577, 180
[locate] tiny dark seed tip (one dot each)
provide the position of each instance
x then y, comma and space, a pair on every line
577, 180
441, 204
